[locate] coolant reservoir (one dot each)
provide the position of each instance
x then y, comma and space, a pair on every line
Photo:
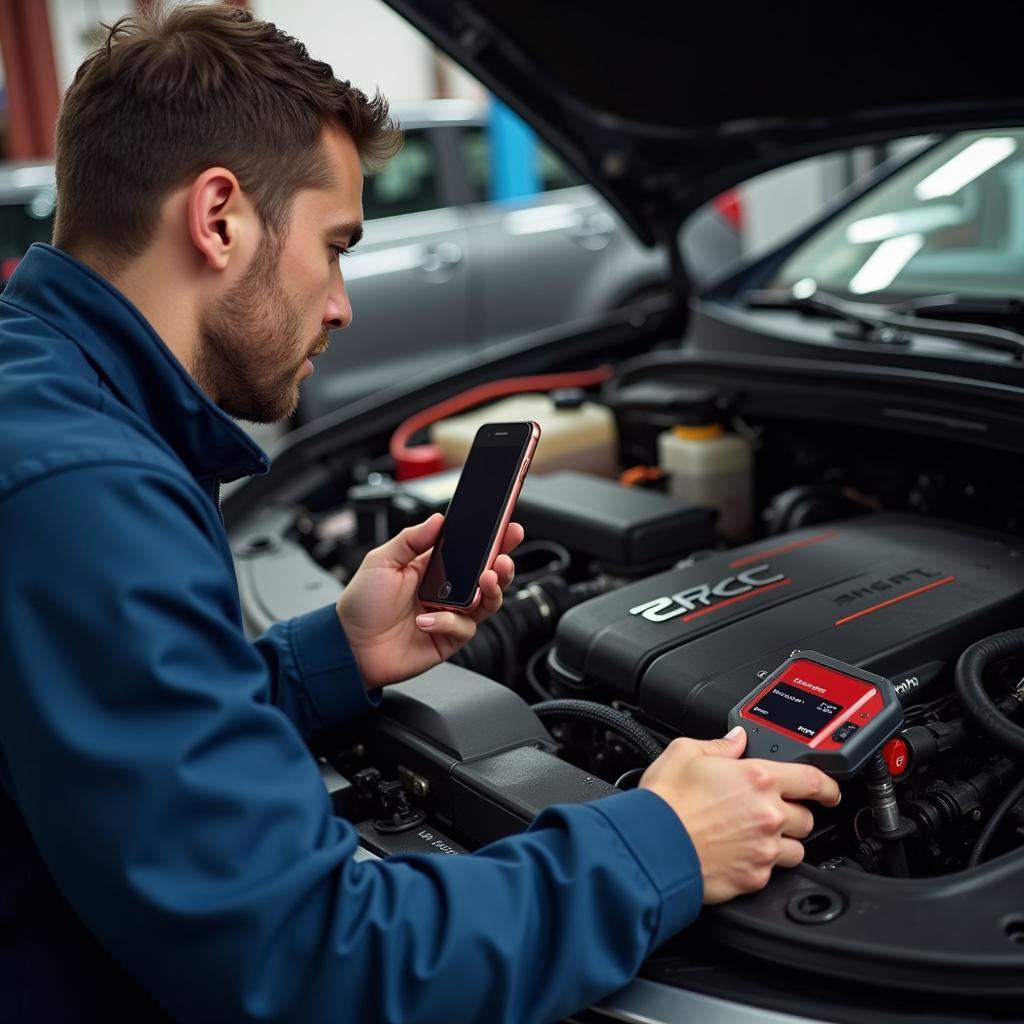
709, 467
581, 436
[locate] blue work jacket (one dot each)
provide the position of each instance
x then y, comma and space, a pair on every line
167, 847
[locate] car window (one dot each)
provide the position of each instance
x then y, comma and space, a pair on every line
476, 154
23, 223
554, 171
952, 222
408, 184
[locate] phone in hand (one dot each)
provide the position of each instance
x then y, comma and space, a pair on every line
477, 515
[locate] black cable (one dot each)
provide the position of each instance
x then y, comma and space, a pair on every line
605, 717
976, 703
559, 562
532, 678
993, 823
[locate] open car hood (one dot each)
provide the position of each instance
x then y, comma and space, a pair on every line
662, 106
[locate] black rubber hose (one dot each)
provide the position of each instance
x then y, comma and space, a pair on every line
608, 718
993, 823
976, 703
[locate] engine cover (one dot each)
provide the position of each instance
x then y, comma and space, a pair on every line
898, 596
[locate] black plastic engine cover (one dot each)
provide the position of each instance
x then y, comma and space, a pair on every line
896, 595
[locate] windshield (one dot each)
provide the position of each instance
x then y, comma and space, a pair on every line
950, 222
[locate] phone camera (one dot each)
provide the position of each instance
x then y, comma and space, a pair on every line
444, 590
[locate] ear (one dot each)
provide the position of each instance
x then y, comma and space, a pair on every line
219, 216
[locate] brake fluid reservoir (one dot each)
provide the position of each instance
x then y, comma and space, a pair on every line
576, 435
709, 467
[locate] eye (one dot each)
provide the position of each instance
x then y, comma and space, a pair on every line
337, 251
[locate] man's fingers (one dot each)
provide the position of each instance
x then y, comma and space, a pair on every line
490, 596
802, 782
409, 544
683, 750
504, 569
791, 853
492, 585
799, 821
513, 538
732, 744
460, 628
413, 544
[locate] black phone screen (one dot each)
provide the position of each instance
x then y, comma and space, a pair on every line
474, 513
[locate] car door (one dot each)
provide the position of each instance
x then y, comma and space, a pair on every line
407, 282
544, 257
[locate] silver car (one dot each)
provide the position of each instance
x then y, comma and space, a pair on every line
442, 269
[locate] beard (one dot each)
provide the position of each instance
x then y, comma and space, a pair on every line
248, 342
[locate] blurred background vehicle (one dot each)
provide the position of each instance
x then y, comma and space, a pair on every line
475, 233
27, 202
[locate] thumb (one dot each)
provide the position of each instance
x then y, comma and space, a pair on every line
732, 744
409, 544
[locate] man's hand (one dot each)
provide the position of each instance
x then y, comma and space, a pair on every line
391, 634
740, 815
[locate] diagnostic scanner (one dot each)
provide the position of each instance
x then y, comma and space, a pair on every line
819, 711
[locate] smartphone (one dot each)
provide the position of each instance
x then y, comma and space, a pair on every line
477, 515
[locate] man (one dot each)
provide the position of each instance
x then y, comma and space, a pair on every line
166, 846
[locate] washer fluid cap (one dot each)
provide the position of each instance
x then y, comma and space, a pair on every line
701, 433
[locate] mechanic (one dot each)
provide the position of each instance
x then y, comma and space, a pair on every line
167, 848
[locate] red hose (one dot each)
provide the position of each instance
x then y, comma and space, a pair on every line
427, 458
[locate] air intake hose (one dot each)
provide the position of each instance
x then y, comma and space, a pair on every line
978, 706
604, 717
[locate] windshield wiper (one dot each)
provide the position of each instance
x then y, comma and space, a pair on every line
1008, 311
892, 326
818, 302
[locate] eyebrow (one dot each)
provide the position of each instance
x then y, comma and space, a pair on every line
353, 231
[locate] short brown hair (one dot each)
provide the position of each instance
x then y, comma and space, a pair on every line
170, 94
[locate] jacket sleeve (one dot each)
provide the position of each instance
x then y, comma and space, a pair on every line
313, 675
199, 846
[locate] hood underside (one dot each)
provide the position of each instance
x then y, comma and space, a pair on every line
662, 106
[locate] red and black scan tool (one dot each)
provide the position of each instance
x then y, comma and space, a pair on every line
819, 711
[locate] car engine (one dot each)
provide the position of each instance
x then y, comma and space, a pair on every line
618, 666
898, 596
632, 620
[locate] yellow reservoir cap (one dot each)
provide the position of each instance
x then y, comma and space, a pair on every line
704, 433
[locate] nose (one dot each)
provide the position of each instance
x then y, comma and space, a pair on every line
338, 313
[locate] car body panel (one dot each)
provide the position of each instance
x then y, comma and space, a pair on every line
430, 286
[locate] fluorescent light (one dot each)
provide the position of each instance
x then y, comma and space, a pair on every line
32, 177
885, 263
805, 288
967, 165
904, 222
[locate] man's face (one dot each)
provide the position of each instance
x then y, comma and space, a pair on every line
256, 342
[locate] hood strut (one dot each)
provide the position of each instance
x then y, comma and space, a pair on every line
679, 280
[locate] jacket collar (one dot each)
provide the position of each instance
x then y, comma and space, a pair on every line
136, 364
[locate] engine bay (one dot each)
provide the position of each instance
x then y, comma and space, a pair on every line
634, 618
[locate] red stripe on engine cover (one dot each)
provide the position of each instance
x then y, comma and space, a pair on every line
782, 550
733, 600
894, 600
